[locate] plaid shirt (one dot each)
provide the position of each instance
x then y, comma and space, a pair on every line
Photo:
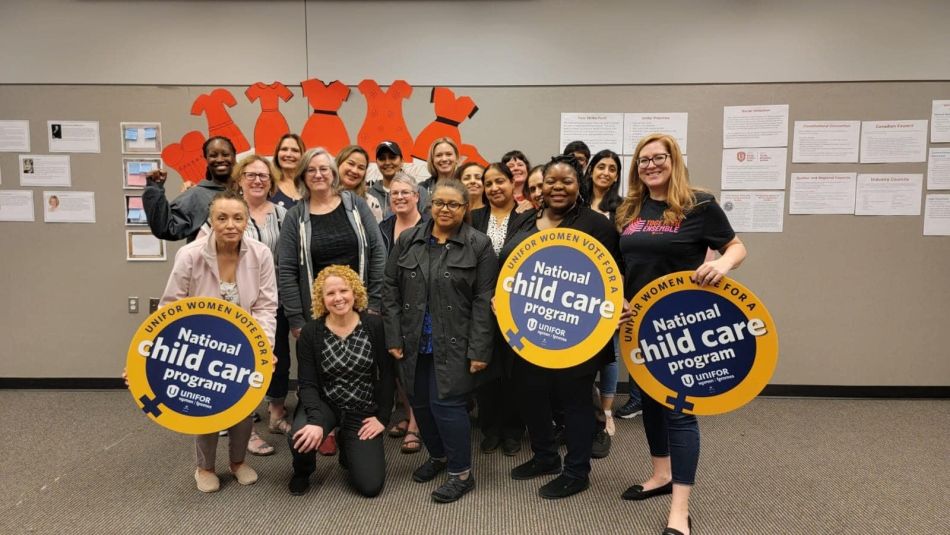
347, 365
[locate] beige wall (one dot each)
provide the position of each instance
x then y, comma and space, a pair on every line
472, 42
858, 300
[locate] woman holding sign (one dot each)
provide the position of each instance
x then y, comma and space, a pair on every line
437, 309
224, 264
666, 226
571, 386
346, 381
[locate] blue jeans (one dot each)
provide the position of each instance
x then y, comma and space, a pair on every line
609, 372
675, 435
443, 423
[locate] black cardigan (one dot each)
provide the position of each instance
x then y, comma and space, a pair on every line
310, 381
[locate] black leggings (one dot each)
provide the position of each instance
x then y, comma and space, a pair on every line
364, 459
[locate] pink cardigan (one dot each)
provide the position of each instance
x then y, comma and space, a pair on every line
196, 274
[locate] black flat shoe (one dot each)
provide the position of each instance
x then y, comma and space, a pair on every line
428, 470
533, 469
299, 484
563, 486
670, 531
637, 493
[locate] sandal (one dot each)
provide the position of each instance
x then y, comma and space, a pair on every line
399, 430
412, 443
279, 426
258, 446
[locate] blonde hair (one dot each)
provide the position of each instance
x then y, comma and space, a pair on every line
238, 173
680, 196
448, 141
360, 299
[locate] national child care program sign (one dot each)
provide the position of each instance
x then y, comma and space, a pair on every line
699, 349
199, 365
558, 298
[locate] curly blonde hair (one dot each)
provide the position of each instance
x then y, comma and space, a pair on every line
350, 277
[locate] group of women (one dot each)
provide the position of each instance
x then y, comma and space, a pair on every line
392, 284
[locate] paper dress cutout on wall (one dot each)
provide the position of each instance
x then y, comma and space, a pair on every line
384, 120
215, 106
449, 113
469, 153
186, 157
271, 124
324, 127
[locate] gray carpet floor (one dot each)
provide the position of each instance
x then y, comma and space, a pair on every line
89, 462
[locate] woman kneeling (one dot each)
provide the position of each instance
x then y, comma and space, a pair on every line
345, 381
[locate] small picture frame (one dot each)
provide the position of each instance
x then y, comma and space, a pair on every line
141, 137
135, 169
142, 246
135, 211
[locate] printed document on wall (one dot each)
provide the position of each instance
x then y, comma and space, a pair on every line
755, 126
638, 125
14, 136
754, 211
599, 130
938, 169
826, 141
892, 194
69, 206
937, 215
42, 170
16, 205
822, 193
754, 168
893, 141
940, 122
73, 136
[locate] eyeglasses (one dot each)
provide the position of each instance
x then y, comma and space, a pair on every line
407, 193
311, 171
657, 160
263, 177
439, 204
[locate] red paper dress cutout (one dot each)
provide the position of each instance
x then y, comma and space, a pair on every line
271, 124
214, 106
325, 128
470, 154
187, 157
384, 120
449, 113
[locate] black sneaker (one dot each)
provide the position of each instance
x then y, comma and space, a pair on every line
429, 469
453, 489
510, 447
563, 486
489, 444
299, 484
533, 469
601, 446
631, 409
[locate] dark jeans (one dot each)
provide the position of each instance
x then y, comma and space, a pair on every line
498, 414
443, 423
675, 435
281, 378
536, 387
635, 391
364, 459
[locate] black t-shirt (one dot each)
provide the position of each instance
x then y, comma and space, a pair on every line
333, 241
652, 248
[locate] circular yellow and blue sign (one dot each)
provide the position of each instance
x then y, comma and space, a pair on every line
199, 365
699, 349
558, 298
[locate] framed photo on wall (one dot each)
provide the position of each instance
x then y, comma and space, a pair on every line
135, 169
134, 211
141, 138
142, 246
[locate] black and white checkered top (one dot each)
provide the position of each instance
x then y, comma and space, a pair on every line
347, 366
